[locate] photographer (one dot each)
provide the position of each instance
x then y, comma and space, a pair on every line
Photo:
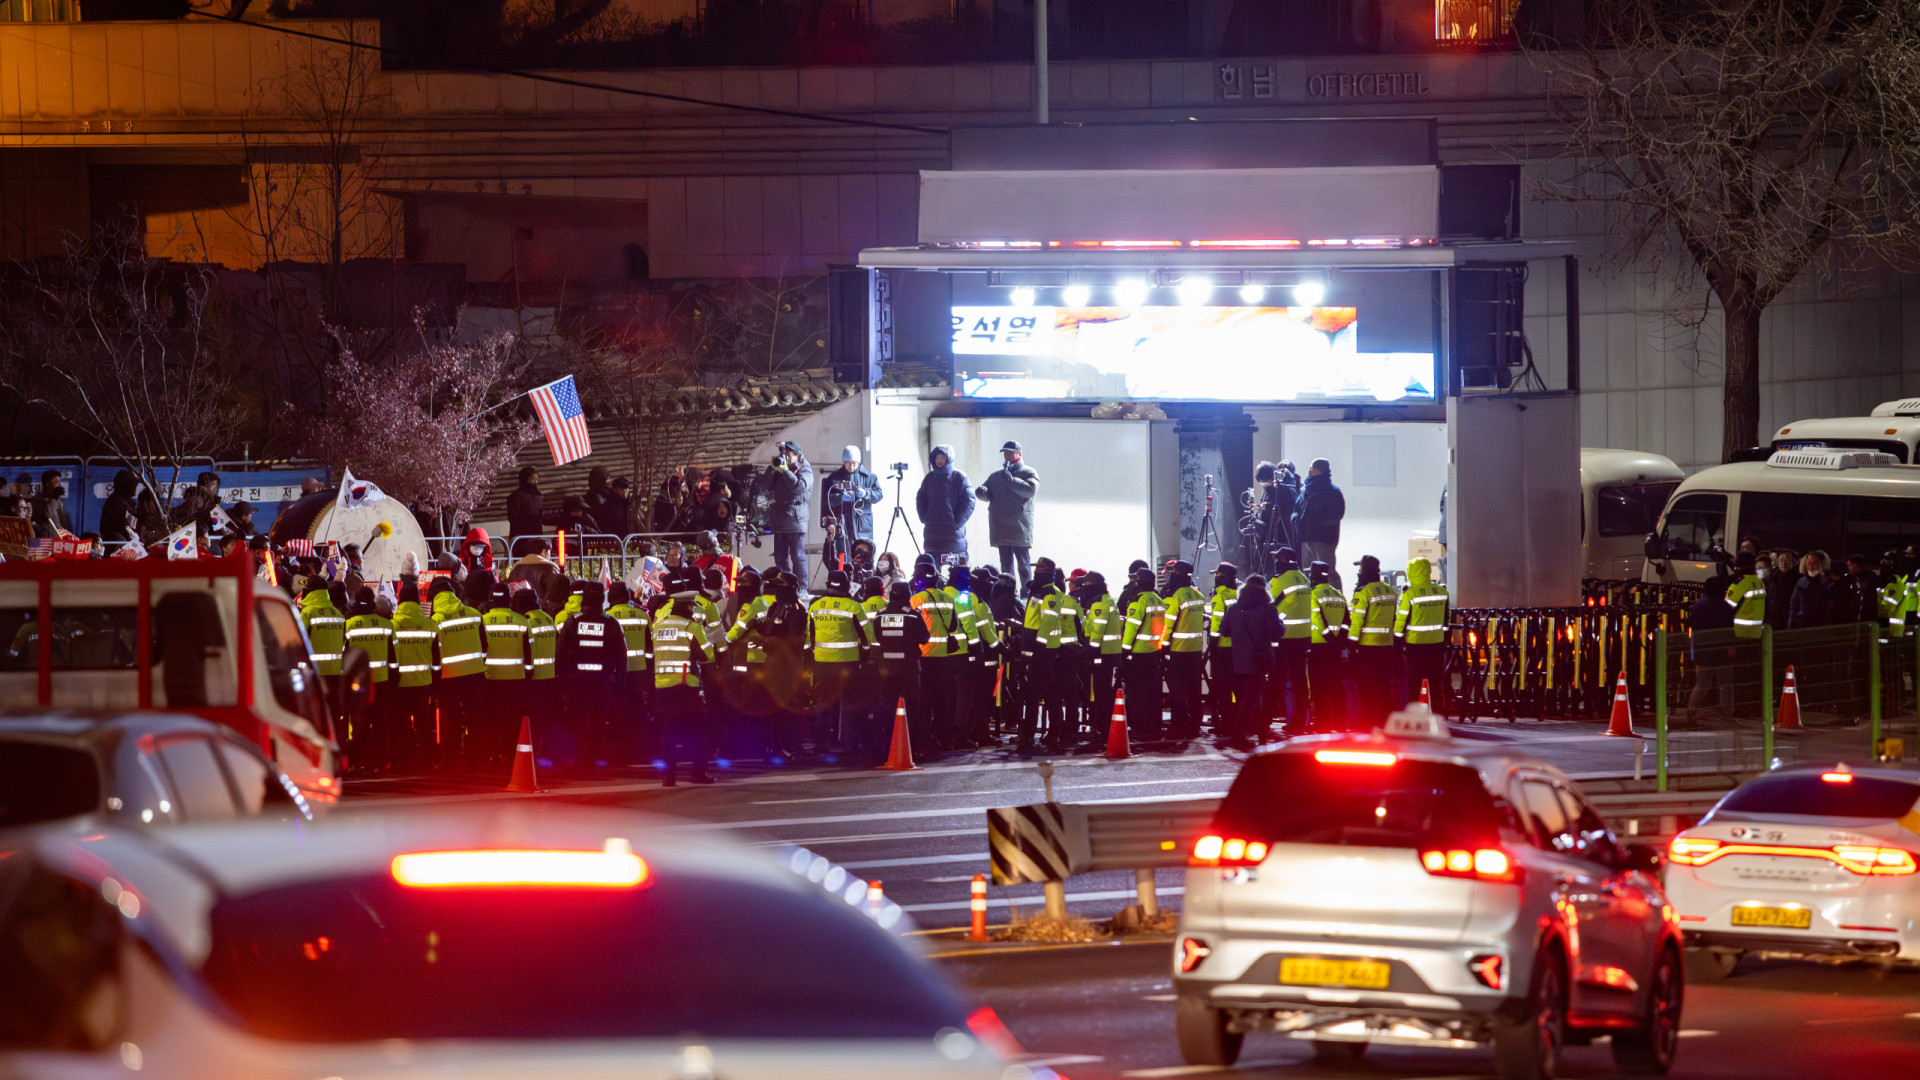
945, 502
789, 490
847, 498
1009, 497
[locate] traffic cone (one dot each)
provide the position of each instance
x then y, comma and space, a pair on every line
1117, 747
522, 778
1426, 694
1788, 718
900, 755
1621, 722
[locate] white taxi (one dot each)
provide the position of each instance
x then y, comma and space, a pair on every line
1804, 861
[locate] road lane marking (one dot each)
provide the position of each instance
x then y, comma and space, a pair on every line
1033, 901
922, 860
1159, 997
896, 815
1696, 1033
943, 880
864, 838
980, 794
1047, 1061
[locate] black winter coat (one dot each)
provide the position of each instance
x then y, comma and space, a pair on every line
866, 494
524, 508
945, 502
1317, 519
788, 492
1809, 604
1253, 627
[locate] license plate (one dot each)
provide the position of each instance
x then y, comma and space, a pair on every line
1312, 971
1786, 918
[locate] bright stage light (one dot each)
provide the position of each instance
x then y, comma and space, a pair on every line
1076, 295
1195, 291
1023, 297
1309, 293
1253, 294
1130, 293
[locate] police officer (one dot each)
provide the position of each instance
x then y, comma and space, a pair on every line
1421, 625
1070, 663
1039, 652
900, 632
1220, 676
1292, 594
983, 640
1376, 664
463, 656
1748, 598
1326, 655
943, 660
505, 687
1186, 649
591, 660
326, 629
741, 673
630, 698
781, 629
1102, 627
837, 628
414, 635
680, 645
1144, 618
369, 630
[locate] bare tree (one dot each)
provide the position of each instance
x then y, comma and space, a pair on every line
760, 327
128, 350
647, 385
1741, 140
425, 424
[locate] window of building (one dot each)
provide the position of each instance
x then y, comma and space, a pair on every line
1473, 22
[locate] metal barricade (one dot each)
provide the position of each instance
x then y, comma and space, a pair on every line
1552, 663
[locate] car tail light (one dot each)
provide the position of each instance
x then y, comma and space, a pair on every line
1692, 850
1354, 757
1837, 777
1854, 858
613, 867
1192, 951
1489, 970
1213, 850
1480, 864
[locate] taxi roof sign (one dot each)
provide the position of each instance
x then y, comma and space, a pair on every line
1416, 721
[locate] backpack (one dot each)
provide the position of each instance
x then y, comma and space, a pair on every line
785, 619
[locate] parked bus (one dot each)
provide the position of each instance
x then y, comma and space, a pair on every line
1840, 501
1894, 428
1621, 495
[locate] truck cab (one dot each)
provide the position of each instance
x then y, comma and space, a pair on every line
170, 636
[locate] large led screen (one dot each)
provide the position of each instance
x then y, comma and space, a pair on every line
1185, 353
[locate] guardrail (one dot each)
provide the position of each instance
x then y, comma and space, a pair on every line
1047, 843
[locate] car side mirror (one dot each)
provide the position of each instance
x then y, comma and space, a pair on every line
1655, 548
1646, 858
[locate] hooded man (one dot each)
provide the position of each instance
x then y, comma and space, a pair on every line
847, 498
120, 517
1009, 493
789, 488
1420, 622
525, 507
1245, 655
1316, 518
945, 503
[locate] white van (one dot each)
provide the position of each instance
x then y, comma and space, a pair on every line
1621, 495
1894, 428
1840, 501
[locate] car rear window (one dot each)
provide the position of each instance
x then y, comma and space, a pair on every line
1806, 793
1294, 798
45, 782
349, 960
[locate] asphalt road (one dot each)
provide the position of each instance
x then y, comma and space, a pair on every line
1106, 1011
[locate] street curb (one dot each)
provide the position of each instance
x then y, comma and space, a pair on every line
1003, 948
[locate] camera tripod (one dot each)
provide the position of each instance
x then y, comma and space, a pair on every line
1209, 534
899, 517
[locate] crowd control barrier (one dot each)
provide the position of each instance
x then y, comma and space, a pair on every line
1558, 662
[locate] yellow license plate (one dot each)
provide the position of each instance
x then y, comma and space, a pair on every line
1312, 971
1788, 918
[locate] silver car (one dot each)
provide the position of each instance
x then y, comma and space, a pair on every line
1423, 891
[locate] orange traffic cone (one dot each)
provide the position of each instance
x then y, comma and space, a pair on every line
522, 778
1117, 747
1788, 718
900, 756
1426, 694
1621, 722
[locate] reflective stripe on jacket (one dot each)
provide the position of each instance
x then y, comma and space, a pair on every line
1217, 604
677, 642
633, 627
1329, 614
945, 636
836, 627
506, 632
1294, 597
374, 633
1749, 600
461, 650
1373, 613
413, 638
326, 632
543, 644
1145, 624
1187, 612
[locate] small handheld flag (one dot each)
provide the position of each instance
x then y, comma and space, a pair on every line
180, 545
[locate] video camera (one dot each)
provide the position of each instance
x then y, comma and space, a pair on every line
899, 469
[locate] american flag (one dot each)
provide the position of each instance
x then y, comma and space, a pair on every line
300, 548
41, 548
565, 423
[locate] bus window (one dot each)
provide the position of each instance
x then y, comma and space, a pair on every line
1696, 524
1876, 524
295, 684
1794, 520
1632, 509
